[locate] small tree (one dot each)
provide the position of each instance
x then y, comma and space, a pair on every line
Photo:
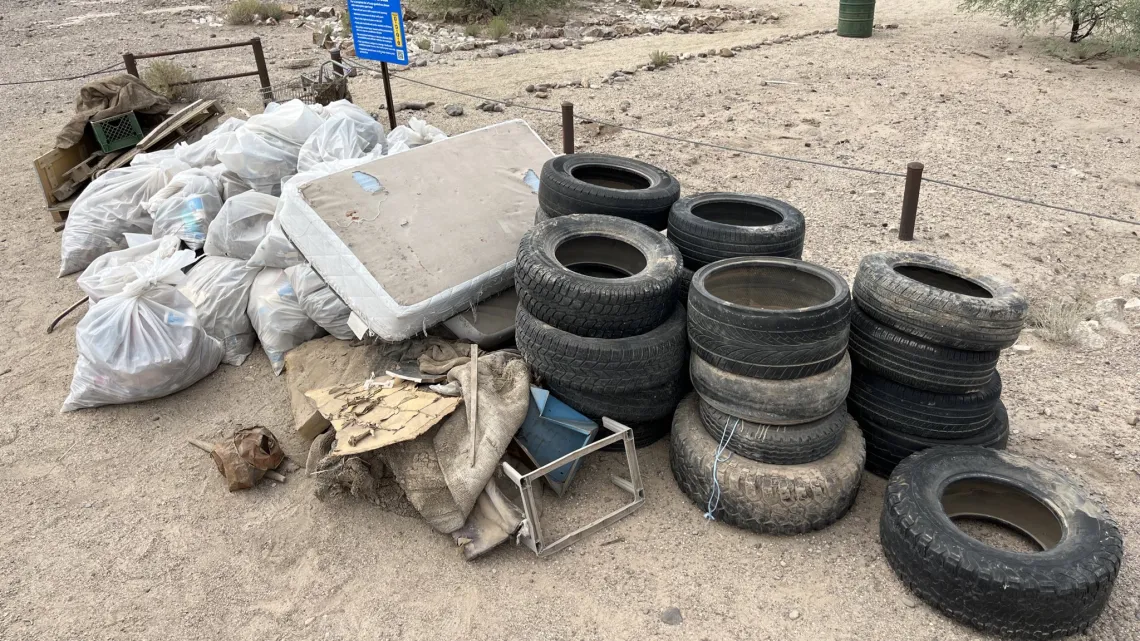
1119, 17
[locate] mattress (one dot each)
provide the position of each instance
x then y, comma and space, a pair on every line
412, 239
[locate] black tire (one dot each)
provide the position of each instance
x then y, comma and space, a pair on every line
540, 215
683, 285
777, 444
920, 413
597, 276
772, 402
608, 185
1057, 592
887, 447
910, 361
939, 302
609, 365
714, 226
772, 499
777, 318
647, 413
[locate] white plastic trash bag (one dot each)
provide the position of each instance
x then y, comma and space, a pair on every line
219, 289
113, 204
417, 132
275, 250
142, 343
320, 302
277, 316
108, 274
204, 151
186, 205
341, 137
240, 225
232, 184
265, 150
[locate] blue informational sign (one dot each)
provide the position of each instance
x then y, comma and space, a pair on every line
378, 30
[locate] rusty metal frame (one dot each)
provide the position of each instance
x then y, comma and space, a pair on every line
531, 533
262, 71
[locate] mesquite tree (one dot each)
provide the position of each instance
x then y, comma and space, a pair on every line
1082, 16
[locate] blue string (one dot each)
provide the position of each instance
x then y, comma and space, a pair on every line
714, 496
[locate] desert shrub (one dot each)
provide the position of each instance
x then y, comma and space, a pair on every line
473, 29
660, 59
498, 27
243, 11
1056, 319
163, 75
647, 4
424, 44
519, 8
1115, 21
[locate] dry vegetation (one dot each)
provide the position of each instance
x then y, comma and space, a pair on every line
248, 11
163, 76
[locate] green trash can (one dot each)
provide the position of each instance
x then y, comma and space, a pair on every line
856, 18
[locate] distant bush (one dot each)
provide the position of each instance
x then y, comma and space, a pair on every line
498, 27
660, 59
503, 7
244, 11
1117, 22
163, 75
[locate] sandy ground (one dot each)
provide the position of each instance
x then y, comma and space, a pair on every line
114, 528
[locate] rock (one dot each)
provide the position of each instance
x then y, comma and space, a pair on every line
1022, 348
1132, 306
671, 616
1087, 338
557, 45
272, 22
413, 106
410, 14
439, 47
794, 614
622, 78
550, 32
1134, 420
530, 89
491, 106
625, 105
1110, 313
909, 602
326, 12
726, 53
465, 46
541, 94
453, 110
1129, 281
297, 63
593, 32
892, 25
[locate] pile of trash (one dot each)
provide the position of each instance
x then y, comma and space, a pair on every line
184, 264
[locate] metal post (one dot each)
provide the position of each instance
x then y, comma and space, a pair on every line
262, 70
910, 200
567, 127
129, 61
388, 95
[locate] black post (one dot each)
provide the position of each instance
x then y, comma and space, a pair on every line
567, 127
129, 61
388, 95
262, 71
910, 200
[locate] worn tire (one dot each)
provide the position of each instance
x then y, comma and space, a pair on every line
910, 361
776, 444
887, 447
589, 305
791, 320
1054, 593
939, 302
714, 226
772, 499
647, 413
683, 285
633, 363
920, 413
540, 215
608, 185
772, 402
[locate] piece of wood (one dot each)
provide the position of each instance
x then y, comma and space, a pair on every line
314, 426
473, 406
202, 445
274, 476
52, 168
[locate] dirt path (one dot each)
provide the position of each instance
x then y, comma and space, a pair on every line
114, 528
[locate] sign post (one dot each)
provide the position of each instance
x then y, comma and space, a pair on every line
378, 34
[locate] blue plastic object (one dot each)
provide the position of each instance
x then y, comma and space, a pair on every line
552, 430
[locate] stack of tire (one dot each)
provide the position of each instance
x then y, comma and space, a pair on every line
714, 226
606, 185
765, 443
926, 335
598, 319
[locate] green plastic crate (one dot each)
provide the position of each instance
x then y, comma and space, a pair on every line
117, 132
